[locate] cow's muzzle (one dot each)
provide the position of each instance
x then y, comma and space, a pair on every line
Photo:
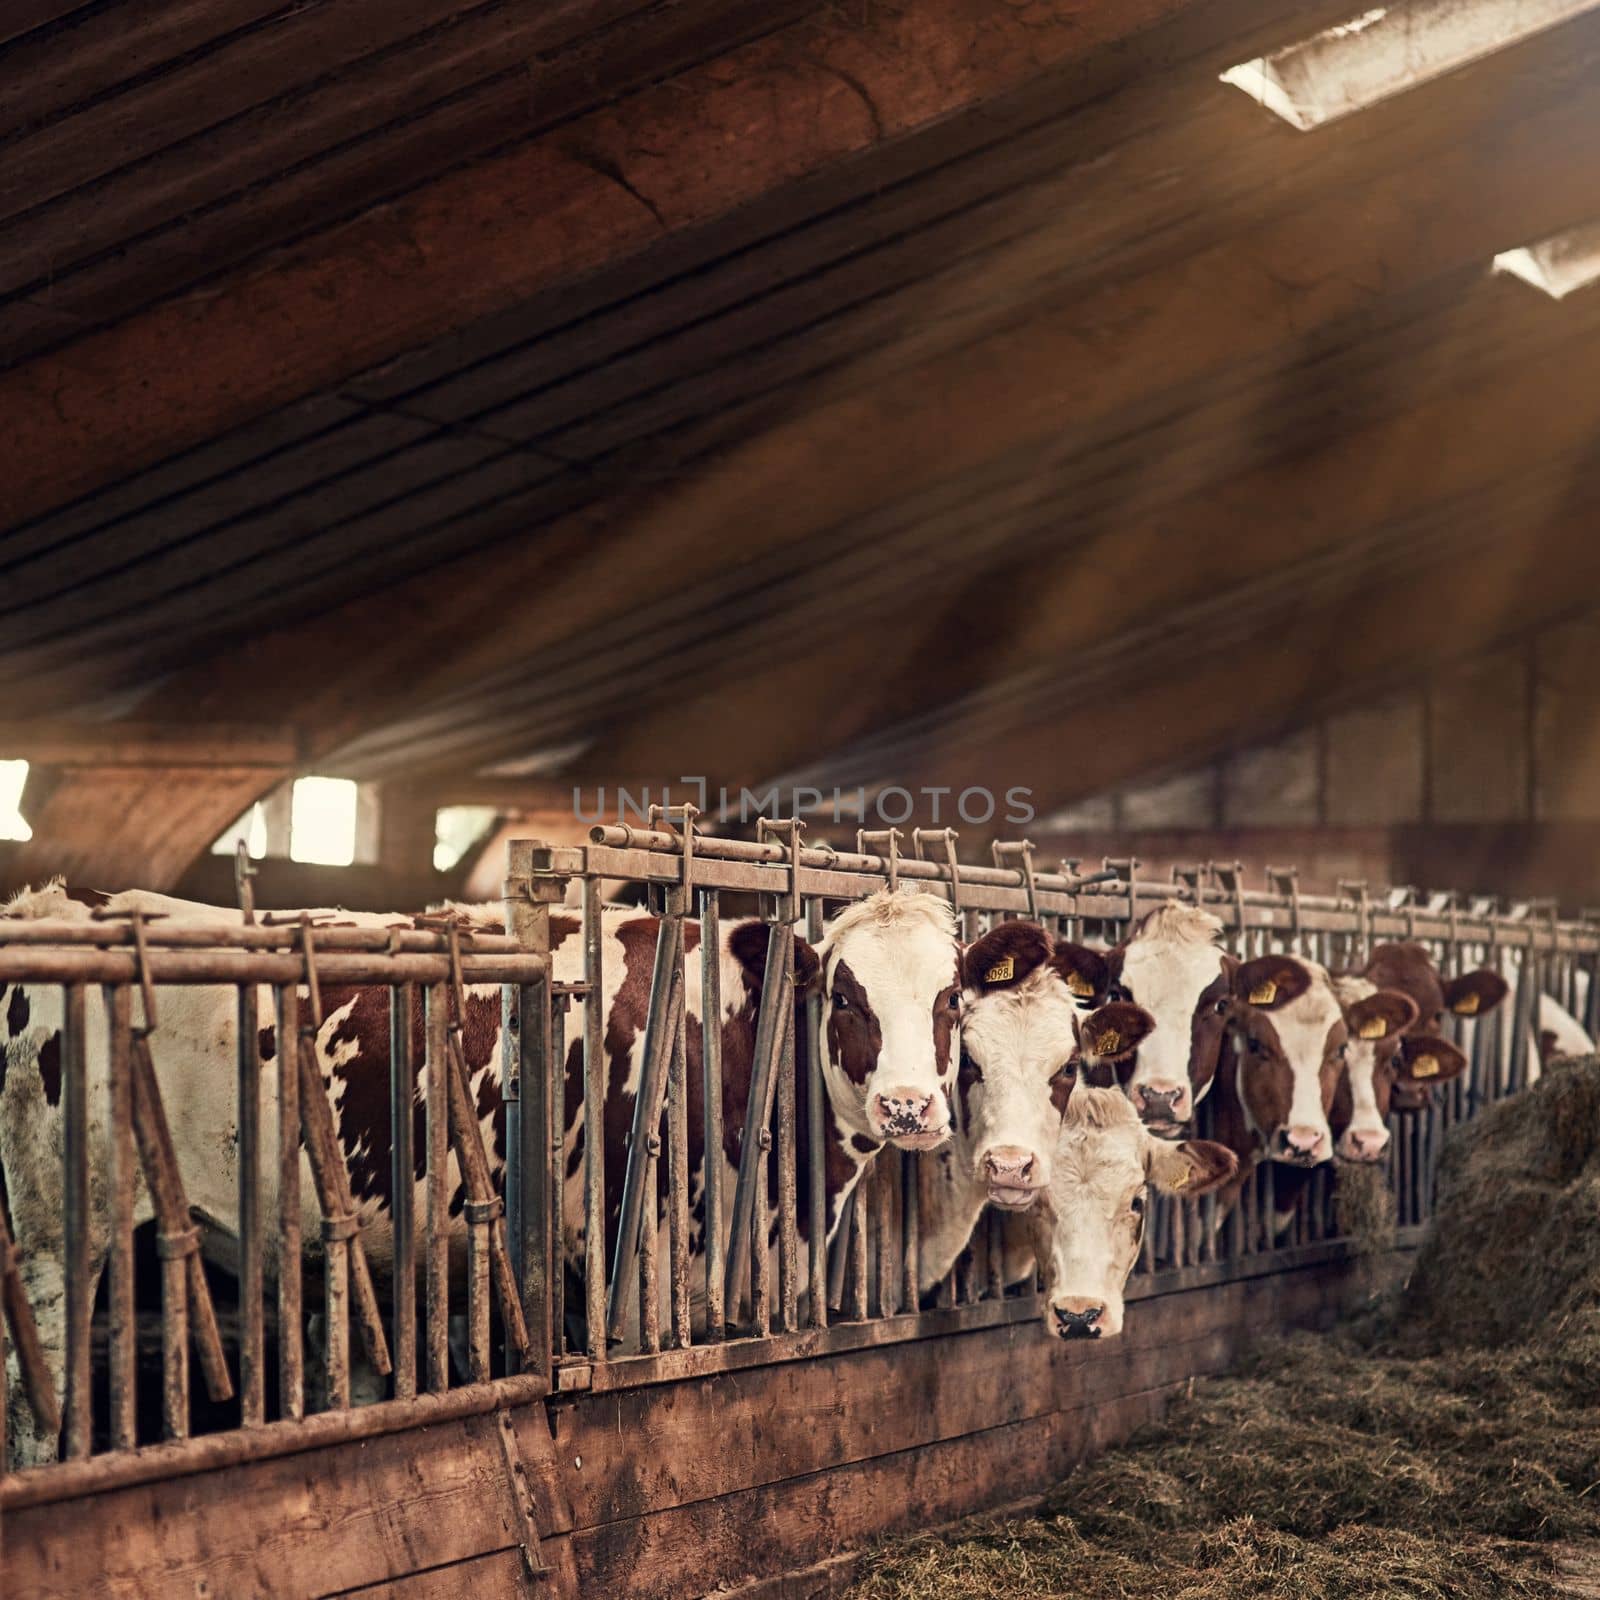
1300, 1146
1012, 1176
1164, 1108
909, 1118
1078, 1319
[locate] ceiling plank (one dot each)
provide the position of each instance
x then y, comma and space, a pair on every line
481, 239
135, 744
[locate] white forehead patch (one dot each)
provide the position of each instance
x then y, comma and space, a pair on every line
1026, 1028
899, 945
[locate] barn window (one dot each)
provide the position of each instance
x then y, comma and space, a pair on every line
1557, 265
13, 825
456, 829
1386, 50
251, 827
322, 822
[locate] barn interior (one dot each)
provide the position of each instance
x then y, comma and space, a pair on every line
1179, 410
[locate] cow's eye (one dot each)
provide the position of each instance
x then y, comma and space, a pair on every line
1222, 1006
1255, 1045
840, 1002
954, 1002
1344, 1052
1117, 992
1137, 1204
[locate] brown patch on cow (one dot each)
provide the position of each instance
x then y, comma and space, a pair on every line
18, 1012
1086, 973
1208, 1029
1004, 956
1270, 982
946, 1014
855, 1038
1381, 1015
867, 1147
267, 1042
1407, 966
1212, 1164
50, 1068
1061, 1090
1474, 993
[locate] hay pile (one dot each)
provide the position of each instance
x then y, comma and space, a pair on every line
1419, 1455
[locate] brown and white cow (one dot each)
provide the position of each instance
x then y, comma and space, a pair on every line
1023, 1041
1386, 1070
891, 949
1089, 1225
1173, 966
1287, 1047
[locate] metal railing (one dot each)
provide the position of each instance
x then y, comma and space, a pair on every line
580, 1289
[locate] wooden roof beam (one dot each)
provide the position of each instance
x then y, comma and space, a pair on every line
663, 163
49, 743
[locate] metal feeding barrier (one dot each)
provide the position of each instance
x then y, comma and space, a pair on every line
572, 1253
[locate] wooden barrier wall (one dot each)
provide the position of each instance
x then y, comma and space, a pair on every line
758, 1481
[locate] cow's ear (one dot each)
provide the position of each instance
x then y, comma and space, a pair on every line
1475, 992
1113, 1032
1424, 1061
807, 967
747, 944
1270, 981
1085, 972
1381, 1015
1190, 1167
1004, 956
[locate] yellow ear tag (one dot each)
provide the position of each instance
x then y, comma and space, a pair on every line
1373, 1028
1079, 985
1467, 1005
1182, 1180
1001, 971
1110, 1042
1264, 993
1425, 1067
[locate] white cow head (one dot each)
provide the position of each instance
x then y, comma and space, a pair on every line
1022, 1034
892, 1017
1382, 1054
1090, 1224
1173, 968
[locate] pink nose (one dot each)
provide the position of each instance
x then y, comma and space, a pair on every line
902, 1111
1009, 1164
1161, 1100
1304, 1143
1364, 1144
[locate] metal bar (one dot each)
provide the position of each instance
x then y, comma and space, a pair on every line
403, 1184
291, 1349
79, 1278
252, 1307
29, 964
666, 991
910, 1236
557, 1342
788, 1225
436, 1097
821, 1289
760, 1242
594, 1139
775, 995
997, 1254
36, 1381
711, 1074
162, 934
858, 1247
886, 1278
678, 1166
122, 1176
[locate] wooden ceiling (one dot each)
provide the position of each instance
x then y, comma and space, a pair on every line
926, 392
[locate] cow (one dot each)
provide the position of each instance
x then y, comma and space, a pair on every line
1173, 967
1023, 1040
1288, 1036
891, 959
1384, 1071
1089, 1224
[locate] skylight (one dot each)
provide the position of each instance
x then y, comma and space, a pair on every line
1557, 265
1386, 50
13, 825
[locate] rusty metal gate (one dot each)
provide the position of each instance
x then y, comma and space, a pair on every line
567, 1324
